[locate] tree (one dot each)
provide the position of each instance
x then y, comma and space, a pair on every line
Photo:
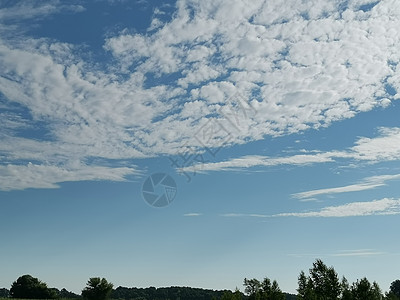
30, 287
322, 284
276, 293
305, 291
346, 291
97, 289
252, 288
4, 293
264, 290
325, 281
362, 289
395, 289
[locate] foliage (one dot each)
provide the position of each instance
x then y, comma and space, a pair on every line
323, 284
264, 290
394, 291
152, 293
363, 289
30, 287
4, 293
97, 289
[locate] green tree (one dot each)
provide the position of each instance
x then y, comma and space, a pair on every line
305, 291
97, 289
252, 288
346, 290
276, 292
322, 284
265, 290
325, 281
394, 290
30, 287
363, 289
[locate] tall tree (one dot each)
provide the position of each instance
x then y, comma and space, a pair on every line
363, 289
264, 290
97, 289
322, 284
395, 288
346, 291
276, 292
325, 281
252, 287
29, 287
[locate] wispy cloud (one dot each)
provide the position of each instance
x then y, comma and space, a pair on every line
386, 206
15, 177
366, 184
359, 252
342, 253
384, 147
192, 215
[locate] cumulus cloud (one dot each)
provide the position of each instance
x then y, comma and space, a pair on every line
299, 64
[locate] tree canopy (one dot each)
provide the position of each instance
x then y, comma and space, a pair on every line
323, 284
264, 290
30, 287
97, 289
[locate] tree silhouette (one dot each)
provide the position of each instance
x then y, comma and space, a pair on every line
264, 290
322, 284
30, 287
97, 289
395, 288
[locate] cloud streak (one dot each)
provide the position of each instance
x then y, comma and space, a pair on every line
384, 147
366, 184
386, 206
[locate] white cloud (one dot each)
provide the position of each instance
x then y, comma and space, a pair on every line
384, 206
366, 184
35, 9
384, 147
16, 177
192, 215
300, 64
358, 252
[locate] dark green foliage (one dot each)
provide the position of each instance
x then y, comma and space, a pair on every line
264, 290
97, 289
325, 281
4, 293
394, 290
363, 289
346, 291
323, 284
29, 287
152, 293
64, 294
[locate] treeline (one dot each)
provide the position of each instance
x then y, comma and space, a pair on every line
323, 283
181, 293
320, 283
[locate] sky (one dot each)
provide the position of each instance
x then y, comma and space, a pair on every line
196, 143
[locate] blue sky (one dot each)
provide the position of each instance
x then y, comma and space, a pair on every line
277, 121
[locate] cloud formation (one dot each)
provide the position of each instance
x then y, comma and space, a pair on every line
300, 65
